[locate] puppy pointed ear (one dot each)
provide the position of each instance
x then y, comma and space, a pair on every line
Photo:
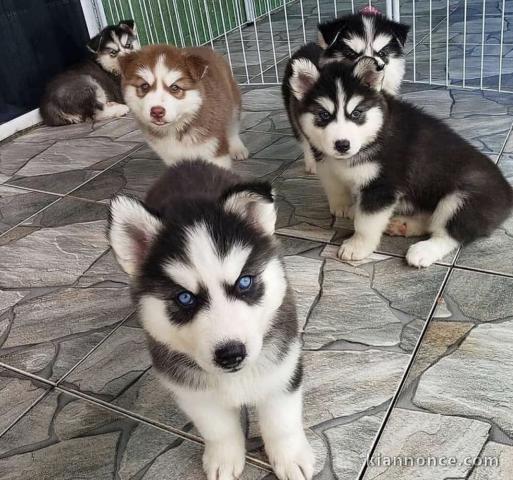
400, 31
329, 32
127, 25
131, 231
197, 66
304, 76
254, 202
368, 72
94, 44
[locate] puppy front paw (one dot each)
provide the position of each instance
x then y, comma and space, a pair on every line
355, 248
238, 151
343, 211
310, 168
291, 458
423, 254
224, 460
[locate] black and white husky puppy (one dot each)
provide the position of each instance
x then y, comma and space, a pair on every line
220, 319
351, 37
91, 90
381, 157
367, 34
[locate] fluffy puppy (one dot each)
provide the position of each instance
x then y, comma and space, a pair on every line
91, 90
351, 37
220, 318
380, 156
186, 103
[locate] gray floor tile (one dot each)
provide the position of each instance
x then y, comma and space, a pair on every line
380, 303
14, 155
493, 253
17, 395
115, 129
68, 163
63, 437
458, 389
17, 205
413, 436
133, 176
61, 293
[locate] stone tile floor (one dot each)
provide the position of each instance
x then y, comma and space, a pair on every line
78, 395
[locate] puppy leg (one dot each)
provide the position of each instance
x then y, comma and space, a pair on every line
111, 110
423, 254
281, 424
220, 427
237, 149
368, 230
339, 195
310, 162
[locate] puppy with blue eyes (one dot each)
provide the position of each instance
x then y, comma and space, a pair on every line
219, 315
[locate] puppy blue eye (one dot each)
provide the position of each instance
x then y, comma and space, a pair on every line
324, 115
245, 282
186, 299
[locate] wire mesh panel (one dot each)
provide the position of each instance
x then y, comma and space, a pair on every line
462, 43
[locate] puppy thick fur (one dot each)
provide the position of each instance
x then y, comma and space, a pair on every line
91, 90
186, 102
349, 38
220, 319
380, 156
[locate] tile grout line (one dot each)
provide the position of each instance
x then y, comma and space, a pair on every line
64, 195
96, 347
398, 391
27, 410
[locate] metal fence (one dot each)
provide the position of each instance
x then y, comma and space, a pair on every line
460, 43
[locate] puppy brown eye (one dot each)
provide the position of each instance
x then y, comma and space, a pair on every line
174, 88
144, 87
356, 114
113, 53
324, 115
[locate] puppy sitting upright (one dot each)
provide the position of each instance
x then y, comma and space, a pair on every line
392, 159
219, 315
351, 37
186, 102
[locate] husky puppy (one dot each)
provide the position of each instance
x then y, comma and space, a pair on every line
186, 102
351, 37
219, 315
381, 156
367, 34
91, 90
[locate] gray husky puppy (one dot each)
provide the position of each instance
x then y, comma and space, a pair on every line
91, 90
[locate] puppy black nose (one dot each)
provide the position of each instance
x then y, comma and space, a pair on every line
342, 146
230, 355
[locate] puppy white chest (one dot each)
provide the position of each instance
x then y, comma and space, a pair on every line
355, 177
172, 149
